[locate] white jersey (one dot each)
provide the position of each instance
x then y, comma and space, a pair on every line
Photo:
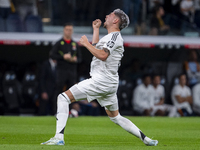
5, 3
183, 92
196, 98
143, 98
105, 73
159, 92
185, 4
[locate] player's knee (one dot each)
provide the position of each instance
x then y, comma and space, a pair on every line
63, 97
59, 97
116, 119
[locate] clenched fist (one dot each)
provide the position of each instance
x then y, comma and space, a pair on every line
96, 23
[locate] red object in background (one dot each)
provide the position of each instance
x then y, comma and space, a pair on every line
14, 42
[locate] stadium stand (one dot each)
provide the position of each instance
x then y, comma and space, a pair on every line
2, 25
14, 24
33, 24
10, 91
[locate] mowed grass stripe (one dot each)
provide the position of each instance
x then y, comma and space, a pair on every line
99, 133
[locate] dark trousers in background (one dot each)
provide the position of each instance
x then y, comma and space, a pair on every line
46, 106
64, 80
5, 12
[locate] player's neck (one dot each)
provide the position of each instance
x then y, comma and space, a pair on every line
113, 30
67, 38
146, 85
155, 86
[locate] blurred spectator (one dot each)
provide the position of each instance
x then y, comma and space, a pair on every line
192, 68
181, 96
153, 3
196, 98
5, 8
187, 9
87, 109
159, 108
158, 27
67, 54
47, 87
64, 11
135, 4
143, 97
197, 12
91, 109
25, 8
176, 7
133, 71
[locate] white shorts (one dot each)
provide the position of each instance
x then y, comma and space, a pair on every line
90, 90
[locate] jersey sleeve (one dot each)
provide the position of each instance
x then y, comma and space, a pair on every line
111, 43
176, 91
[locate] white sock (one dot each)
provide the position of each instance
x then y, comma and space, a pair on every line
63, 102
127, 125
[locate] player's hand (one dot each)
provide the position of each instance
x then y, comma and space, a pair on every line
67, 56
84, 40
96, 23
73, 59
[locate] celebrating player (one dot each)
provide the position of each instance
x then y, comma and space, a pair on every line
104, 80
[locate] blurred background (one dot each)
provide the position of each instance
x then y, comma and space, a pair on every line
162, 39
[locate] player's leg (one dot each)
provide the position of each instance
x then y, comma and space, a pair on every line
158, 110
173, 112
63, 101
126, 124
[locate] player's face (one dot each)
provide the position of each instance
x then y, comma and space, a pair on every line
161, 11
147, 80
109, 19
193, 56
156, 80
68, 31
182, 80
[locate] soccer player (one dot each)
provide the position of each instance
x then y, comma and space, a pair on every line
196, 98
143, 97
103, 83
160, 108
181, 96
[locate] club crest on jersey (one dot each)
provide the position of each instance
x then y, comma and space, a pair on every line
110, 44
74, 46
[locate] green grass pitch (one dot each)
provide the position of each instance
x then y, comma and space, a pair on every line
99, 133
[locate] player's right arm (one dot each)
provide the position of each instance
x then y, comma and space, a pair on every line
181, 99
184, 99
96, 25
98, 53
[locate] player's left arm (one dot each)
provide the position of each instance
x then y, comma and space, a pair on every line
96, 25
161, 102
98, 53
189, 99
